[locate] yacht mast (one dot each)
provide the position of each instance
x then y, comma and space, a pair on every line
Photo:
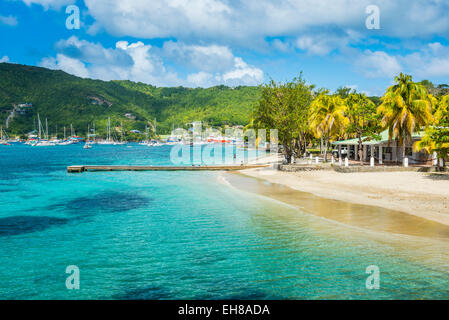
146, 133
39, 126
109, 128
155, 127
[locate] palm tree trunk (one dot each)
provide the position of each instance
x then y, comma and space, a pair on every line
326, 141
288, 156
321, 144
397, 151
360, 150
441, 164
403, 151
287, 152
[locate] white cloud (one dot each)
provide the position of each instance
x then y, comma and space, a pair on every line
4, 59
126, 61
432, 61
322, 42
159, 18
240, 74
69, 65
210, 65
243, 73
49, 4
9, 20
205, 30
317, 45
246, 22
377, 64
205, 58
280, 45
201, 79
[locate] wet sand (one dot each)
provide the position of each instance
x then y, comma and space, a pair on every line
364, 214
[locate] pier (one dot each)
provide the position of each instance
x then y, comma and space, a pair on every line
83, 168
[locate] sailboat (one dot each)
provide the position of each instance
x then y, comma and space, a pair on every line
147, 138
87, 144
108, 134
66, 141
154, 143
73, 137
122, 141
3, 138
94, 135
43, 142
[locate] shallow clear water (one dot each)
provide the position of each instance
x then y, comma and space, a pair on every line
185, 235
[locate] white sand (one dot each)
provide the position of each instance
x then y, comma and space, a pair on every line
421, 194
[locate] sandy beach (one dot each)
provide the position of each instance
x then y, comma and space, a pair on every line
423, 195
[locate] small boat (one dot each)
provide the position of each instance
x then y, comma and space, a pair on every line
154, 143
65, 143
44, 143
109, 139
87, 145
3, 140
147, 140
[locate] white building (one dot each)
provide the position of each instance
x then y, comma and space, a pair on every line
384, 151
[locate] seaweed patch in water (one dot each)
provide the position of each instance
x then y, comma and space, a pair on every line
16, 225
103, 202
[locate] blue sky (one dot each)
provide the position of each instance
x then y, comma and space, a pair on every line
234, 42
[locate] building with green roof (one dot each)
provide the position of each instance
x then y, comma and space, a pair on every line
383, 150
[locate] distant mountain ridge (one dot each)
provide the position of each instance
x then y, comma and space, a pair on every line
65, 99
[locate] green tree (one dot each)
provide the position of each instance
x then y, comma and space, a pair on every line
436, 137
343, 92
285, 107
363, 119
406, 108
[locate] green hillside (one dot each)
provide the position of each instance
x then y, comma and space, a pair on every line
65, 99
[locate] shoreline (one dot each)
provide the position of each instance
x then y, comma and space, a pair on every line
417, 194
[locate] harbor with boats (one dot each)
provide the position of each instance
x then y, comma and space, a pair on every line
41, 137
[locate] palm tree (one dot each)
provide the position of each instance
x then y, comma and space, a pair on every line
362, 119
327, 117
406, 108
442, 110
436, 137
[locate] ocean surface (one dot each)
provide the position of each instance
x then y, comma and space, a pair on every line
185, 235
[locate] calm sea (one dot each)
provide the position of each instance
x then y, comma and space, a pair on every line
184, 235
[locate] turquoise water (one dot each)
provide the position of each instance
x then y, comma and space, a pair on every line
184, 235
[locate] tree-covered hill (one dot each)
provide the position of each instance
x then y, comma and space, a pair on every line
65, 99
